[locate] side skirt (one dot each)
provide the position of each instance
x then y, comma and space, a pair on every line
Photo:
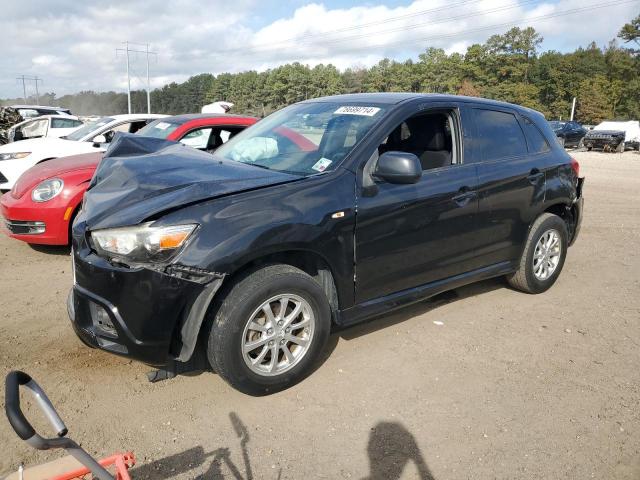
394, 301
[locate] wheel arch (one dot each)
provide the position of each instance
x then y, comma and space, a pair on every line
567, 212
309, 261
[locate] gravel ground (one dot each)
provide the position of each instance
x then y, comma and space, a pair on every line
509, 386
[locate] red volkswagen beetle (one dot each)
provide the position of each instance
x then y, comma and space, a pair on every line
42, 204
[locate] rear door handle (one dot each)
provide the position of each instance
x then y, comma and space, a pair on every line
464, 197
535, 176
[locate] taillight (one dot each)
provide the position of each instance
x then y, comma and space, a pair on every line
575, 166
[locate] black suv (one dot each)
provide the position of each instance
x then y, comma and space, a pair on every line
569, 133
330, 211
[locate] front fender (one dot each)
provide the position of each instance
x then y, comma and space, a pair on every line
238, 229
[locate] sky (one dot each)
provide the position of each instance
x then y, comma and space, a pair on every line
71, 45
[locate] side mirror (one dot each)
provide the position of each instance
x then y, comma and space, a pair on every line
98, 140
398, 167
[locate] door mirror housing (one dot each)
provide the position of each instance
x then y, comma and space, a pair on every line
98, 140
398, 167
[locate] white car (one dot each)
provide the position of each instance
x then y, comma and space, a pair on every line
17, 157
45, 126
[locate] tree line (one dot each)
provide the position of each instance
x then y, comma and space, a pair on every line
509, 67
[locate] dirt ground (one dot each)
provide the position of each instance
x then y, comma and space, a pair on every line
509, 386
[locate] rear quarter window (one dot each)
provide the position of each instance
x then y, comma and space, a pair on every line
535, 139
498, 135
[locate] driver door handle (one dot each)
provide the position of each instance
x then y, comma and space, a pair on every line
464, 196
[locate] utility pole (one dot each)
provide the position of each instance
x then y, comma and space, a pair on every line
148, 83
128, 82
25, 78
128, 50
573, 108
24, 90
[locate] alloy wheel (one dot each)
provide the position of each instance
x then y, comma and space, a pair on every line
278, 334
547, 255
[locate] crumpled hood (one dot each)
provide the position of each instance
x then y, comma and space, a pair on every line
140, 177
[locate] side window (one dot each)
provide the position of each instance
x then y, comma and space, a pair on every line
123, 127
28, 113
535, 139
228, 133
498, 135
37, 128
65, 123
199, 138
428, 136
135, 126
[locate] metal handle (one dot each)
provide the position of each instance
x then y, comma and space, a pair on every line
26, 432
464, 197
12, 406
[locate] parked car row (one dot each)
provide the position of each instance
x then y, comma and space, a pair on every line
607, 136
44, 201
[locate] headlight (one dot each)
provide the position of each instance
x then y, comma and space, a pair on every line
142, 243
14, 155
46, 190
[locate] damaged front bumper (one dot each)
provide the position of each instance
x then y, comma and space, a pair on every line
149, 315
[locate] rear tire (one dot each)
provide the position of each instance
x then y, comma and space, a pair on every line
260, 349
544, 255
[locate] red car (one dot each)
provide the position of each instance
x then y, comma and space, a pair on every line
41, 206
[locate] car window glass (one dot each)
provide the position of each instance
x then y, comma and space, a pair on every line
89, 128
35, 129
428, 136
123, 127
537, 142
198, 138
65, 123
498, 134
158, 129
303, 139
28, 113
135, 126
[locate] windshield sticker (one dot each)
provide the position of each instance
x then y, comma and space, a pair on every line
322, 164
163, 125
355, 110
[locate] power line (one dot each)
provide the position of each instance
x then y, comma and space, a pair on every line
250, 51
378, 22
423, 24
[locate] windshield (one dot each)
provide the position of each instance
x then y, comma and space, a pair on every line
88, 128
303, 139
555, 125
158, 129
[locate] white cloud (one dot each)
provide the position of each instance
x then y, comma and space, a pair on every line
72, 45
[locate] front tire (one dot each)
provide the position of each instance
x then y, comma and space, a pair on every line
269, 330
544, 255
